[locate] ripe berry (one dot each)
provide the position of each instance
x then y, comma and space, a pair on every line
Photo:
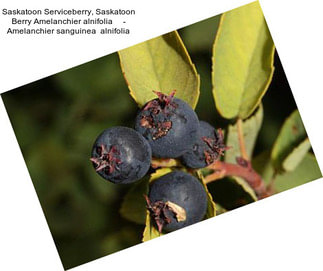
121, 155
169, 124
207, 149
176, 200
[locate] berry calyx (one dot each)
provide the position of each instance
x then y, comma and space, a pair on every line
158, 128
107, 159
208, 148
216, 146
169, 124
121, 155
176, 200
162, 212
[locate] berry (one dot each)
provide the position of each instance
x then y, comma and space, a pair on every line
169, 124
207, 149
121, 155
176, 200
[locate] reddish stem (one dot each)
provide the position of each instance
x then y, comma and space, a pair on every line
244, 170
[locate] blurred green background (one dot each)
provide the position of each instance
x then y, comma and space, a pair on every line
57, 119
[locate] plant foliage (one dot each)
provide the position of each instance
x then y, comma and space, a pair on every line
242, 70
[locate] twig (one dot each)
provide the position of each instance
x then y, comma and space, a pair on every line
244, 170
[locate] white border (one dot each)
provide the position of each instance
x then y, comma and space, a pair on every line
27, 58
283, 232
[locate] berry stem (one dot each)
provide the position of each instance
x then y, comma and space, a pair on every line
243, 150
244, 170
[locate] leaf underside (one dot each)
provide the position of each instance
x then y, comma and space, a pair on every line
306, 171
251, 128
150, 231
243, 56
133, 206
161, 64
211, 208
291, 144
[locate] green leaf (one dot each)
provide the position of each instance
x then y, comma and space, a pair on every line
133, 206
194, 35
291, 135
159, 173
150, 232
246, 187
231, 194
297, 155
160, 64
262, 165
306, 171
243, 56
251, 128
211, 207
219, 209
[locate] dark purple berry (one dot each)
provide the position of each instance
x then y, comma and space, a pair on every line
176, 200
121, 155
169, 124
207, 149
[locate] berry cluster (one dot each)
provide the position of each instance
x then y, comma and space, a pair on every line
165, 127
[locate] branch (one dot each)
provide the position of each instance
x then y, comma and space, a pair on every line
244, 170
